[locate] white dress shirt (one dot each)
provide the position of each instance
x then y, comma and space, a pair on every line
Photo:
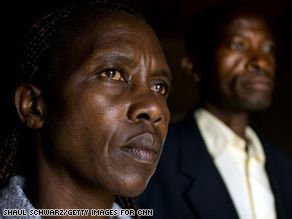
243, 172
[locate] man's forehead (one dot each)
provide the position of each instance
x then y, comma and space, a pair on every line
245, 22
248, 20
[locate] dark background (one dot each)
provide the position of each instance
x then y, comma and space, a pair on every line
169, 19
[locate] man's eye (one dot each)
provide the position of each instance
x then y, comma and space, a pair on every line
237, 45
268, 48
160, 88
112, 74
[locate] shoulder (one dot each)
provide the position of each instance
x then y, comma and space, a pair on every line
12, 194
279, 169
186, 126
120, 214
13, 197
278, 162
277, 155
273, 152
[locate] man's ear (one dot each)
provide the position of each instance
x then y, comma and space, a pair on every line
30, 105
188, 64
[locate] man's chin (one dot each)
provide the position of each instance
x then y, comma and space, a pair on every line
256, 105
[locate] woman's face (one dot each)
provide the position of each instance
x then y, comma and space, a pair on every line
106, 127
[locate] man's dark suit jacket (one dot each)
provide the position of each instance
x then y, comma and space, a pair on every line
186, 183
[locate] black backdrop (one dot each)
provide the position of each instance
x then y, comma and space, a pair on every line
169, 19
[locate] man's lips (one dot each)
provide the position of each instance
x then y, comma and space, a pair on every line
144, 148
259, 82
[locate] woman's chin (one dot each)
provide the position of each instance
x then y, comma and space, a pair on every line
133, 189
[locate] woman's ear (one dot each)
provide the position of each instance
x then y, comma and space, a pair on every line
30, 105
188, 64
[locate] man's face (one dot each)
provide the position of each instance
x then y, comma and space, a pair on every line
244, 65
110, 118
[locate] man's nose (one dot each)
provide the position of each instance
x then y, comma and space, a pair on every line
257, 60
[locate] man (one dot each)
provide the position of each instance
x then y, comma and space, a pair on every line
214, 165
91, 107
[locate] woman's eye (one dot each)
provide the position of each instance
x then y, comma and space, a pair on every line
112, 74
160, 88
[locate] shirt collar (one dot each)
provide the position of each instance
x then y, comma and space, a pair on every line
219, 136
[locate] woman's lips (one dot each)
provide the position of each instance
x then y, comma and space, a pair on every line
144, 148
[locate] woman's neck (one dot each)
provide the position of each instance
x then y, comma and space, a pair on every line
56, 189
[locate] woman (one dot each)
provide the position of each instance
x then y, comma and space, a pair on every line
91, 97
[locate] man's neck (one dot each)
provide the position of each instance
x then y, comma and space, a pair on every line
235, 120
